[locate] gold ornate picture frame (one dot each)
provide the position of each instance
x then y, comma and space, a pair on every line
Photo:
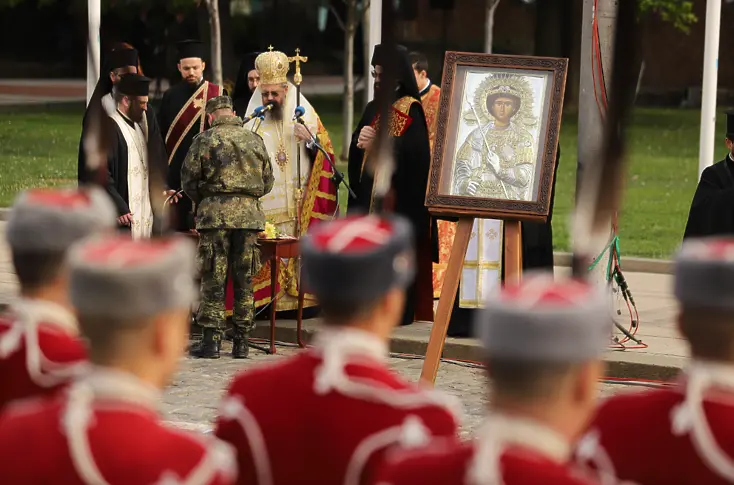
497, 135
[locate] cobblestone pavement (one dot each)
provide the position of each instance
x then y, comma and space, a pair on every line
191, 400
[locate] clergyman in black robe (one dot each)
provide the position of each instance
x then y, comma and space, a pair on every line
247, 80
410, 178
128, 185
122, 59
181, 117
712, 209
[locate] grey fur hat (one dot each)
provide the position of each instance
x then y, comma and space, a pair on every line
358, 259
116, 277
704, 273
51, 220
546, 320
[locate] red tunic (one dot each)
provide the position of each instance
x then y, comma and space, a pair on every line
104, 430
327, 415
667, 436
39, 350
510, 452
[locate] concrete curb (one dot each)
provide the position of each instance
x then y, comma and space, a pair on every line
620, 364
634, 265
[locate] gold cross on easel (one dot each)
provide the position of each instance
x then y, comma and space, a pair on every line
298, 59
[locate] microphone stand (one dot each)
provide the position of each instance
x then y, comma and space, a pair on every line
338, 177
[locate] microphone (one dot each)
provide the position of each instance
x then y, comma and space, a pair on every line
259, 111
300, 111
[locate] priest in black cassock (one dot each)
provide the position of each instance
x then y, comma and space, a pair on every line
247, 81
410, 179
182, 117
712, 209
128, 165
119, 61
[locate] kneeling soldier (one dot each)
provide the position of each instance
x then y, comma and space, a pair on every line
133, 299
225, 173
40, 348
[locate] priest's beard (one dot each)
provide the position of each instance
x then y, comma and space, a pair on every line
135, 112
277, 111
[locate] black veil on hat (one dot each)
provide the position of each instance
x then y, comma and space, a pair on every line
404, 69
120, 55
242, 94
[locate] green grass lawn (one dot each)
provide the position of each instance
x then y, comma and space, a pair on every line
40, 149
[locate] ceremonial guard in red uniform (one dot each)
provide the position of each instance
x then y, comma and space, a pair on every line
681, 434
39, 345
543, 342
133, 300
327, 415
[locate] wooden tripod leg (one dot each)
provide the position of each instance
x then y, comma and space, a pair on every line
446, 302
513, 251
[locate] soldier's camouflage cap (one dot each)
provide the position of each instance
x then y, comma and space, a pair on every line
147, 276
219, 102
358, 259
51, 220
546, 320
704, 273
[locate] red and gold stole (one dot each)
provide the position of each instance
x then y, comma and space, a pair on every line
191, 112
430, 102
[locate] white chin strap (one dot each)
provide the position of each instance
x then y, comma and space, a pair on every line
689, 418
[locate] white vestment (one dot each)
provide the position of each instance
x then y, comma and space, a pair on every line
482, 270
280, 204
138, 191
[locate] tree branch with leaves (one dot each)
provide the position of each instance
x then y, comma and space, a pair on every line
354, 13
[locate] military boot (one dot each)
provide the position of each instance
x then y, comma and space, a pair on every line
240, 347
208, 348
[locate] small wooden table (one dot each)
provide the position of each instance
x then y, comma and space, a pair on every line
274, 250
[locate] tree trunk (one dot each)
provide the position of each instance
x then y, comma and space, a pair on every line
216, 39
489, 25
367, 54
348, 106
230, 62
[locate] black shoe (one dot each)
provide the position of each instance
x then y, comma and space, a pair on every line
208, 348
240, 347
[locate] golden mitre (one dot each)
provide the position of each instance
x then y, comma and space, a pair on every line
272, 67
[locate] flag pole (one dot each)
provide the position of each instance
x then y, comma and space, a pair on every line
94, 13
707, 138
375, 37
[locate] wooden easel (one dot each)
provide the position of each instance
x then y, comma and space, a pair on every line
512, 264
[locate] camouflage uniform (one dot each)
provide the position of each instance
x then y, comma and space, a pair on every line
225, 173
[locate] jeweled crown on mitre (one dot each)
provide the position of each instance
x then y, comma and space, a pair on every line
272, 67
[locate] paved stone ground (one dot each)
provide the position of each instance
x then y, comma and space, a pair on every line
192, 399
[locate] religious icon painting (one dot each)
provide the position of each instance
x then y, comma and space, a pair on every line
498, 127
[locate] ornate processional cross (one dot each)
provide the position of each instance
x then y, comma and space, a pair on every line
298, 59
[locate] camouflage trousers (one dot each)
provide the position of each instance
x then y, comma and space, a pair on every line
223, 252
